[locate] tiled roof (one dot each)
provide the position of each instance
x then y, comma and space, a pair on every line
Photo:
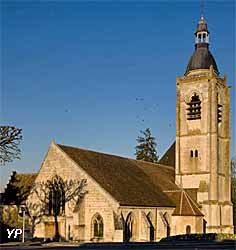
161, 175
185, 205
18, 188
201, 59
192, 192
130, 182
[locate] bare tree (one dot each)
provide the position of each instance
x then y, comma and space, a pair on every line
10, 138
53, 195
36, 212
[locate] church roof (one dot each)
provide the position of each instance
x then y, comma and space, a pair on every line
130, 182
185, 205
201, 59
169, 157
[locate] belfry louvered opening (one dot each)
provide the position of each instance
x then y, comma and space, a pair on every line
194, 108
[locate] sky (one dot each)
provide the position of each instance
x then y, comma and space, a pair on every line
92, 74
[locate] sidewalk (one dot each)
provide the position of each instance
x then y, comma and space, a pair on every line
67, 244
29, 243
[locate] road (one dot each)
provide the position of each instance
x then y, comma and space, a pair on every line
135, 246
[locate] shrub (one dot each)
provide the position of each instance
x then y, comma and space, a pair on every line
203, 237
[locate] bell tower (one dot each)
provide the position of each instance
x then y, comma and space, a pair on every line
203, 135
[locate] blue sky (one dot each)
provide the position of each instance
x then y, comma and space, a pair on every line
72, 71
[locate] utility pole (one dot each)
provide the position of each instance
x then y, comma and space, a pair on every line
23, 233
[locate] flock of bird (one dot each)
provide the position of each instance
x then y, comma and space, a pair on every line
142, 110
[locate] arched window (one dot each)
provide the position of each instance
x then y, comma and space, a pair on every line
130, 229
204, 37
56, 198
199, 38
151, 227
50, 204
188, 229
194, 108
191, 153
196, 153
167, 220
97, 226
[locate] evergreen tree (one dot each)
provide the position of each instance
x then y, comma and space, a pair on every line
146, 148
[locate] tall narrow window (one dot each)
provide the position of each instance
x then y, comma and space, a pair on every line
97, 224
194, 108
204, 37
219, 110
219, 113
191, 153
196, 153
50, 203
56, 202
129, 227
167, 220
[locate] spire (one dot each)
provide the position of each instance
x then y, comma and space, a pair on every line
202, 57
202, 33
202, 8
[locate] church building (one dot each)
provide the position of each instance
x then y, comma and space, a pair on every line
188, 191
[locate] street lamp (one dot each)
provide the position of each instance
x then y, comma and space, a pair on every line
23, 210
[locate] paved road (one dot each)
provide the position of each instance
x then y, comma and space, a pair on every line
135, 246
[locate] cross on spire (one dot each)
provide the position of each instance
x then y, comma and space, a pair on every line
202, 9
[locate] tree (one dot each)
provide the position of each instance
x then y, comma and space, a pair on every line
10, 138
146, 148
53, 194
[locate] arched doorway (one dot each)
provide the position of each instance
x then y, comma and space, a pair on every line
129, 227
188, 229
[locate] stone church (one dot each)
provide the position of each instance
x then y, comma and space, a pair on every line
188, 191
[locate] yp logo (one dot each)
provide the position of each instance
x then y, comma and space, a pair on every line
18, 231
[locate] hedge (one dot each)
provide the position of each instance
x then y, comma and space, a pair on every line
195, 237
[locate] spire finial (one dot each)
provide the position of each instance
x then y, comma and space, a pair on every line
202, 9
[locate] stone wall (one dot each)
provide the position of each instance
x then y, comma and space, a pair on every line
78, 220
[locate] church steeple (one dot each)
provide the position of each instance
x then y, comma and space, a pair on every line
202, 57
202, 33
202, 149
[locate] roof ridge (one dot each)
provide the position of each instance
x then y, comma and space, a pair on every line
189, 203
172, 191
92, 151
181, 202
196, 204
123, 157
